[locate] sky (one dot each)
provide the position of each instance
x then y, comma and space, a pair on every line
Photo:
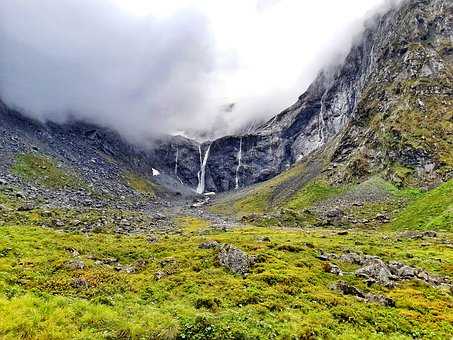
150, 67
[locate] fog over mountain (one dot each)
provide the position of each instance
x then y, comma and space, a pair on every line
146, 68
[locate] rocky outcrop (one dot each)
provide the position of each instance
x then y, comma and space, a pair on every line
347, 289
374, 270
235, 260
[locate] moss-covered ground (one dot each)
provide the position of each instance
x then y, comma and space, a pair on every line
286, 295
139, 184
46, 172
178, 291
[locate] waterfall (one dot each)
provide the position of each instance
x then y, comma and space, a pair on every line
202, 172
321, 121
239, 158
176, 166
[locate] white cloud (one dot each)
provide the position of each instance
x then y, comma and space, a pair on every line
150, 66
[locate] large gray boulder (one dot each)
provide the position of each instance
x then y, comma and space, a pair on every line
235, 260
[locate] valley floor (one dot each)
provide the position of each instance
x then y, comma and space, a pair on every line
61, 285
275, 261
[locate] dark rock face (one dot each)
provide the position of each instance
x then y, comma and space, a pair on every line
406, 43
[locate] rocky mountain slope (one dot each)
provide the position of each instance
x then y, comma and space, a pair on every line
388, 106
383, 103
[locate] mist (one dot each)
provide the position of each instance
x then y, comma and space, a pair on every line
201, 68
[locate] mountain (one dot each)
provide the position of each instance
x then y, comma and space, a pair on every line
332, 220
381, 106
367, 133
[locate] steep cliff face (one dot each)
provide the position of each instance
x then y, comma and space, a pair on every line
388, 105
400, 67
403, 118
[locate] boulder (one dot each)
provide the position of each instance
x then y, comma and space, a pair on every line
26, 207
235, 260
210, 245
332, 268
75, 265
377, 270
348, 289
402, 271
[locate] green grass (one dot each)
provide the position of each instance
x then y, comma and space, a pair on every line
191, 224
139, 184
44, 171
432, 210
286, 295
256, 200
313, 192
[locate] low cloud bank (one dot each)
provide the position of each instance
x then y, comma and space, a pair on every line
204, 67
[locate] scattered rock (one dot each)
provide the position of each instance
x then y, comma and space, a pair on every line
58, 223
417, 235
75, 265
169, 261
309, 245
73, 252
323, 257
264, 239
351, 258
152, 239
158, 216
347, 289
125, 269
380, 299
402, 271
378, 271
332, 268
374, 270
210, 245
46, 213
159, 275
290, 248
429, 233
79, 283
5, 251
334, 213
26, 207
110, 260
235, 260
382, 218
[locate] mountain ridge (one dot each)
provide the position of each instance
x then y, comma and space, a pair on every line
330, 105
